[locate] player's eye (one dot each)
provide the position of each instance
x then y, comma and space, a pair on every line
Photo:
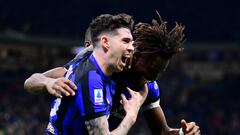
126, 40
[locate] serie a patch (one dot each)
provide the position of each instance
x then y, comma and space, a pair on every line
98, 96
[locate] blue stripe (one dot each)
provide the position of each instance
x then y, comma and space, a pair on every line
98, 67
95, 82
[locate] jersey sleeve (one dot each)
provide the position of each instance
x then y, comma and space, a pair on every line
91, 96
66, 66
153, 98
82, 55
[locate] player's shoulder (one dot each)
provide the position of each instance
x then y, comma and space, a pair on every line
77, 60
153, 89
153, 94
153, 85
80, 68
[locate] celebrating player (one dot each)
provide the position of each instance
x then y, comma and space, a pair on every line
154, 47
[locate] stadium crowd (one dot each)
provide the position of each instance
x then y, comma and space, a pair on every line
199, 86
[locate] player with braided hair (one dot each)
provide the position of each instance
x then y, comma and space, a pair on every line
154, 48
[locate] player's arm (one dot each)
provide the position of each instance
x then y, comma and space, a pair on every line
99, 126
157, 122
153, 112
51, 81
160, 127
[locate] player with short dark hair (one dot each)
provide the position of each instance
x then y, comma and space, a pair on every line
154, 47
87, 112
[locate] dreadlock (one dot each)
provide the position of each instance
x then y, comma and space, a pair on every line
152, 39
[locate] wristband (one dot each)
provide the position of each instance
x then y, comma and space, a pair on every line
181, 132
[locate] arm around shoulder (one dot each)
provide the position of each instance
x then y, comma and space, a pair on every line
51, 81
36, 83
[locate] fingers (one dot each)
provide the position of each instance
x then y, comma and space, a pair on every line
68, 86
67, 90
124, 99
194, 130
190, 128
131, 92
139, 96
57, 94
184, 125
71, 84
61, 87
132, 105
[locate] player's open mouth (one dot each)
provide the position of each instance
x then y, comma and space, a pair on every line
125, 59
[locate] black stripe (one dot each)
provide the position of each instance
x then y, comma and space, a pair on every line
62, 111
85, 87
66, 101
86, 94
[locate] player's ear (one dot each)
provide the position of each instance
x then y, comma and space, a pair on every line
87, 43
105, 42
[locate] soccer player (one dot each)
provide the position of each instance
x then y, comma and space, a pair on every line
155, 46
87, 112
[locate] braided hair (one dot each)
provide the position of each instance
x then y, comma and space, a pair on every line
155, 39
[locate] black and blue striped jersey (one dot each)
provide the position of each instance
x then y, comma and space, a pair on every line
93, 98
123, 80
127, 79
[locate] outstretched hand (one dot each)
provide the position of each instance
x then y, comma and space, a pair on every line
60, 86
190, 128
133, 105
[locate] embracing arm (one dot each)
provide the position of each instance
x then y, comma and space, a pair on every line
51, 81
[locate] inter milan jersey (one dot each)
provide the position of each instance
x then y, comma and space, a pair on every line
93, 98
128, 80
122, 81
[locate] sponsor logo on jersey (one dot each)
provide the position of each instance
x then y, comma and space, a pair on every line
98, 96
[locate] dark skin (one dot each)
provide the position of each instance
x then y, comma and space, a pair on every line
148, 67
55, 84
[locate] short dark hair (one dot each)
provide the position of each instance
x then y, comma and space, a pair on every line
109, 23
155, 39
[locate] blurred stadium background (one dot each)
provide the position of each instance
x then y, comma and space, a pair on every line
201, 85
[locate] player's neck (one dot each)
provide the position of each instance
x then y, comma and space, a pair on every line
101, 60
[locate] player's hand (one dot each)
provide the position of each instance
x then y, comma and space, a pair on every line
133, 105
190, 128
60, 86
